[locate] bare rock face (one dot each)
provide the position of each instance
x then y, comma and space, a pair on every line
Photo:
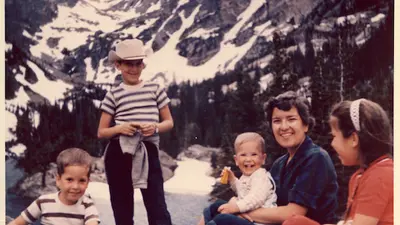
31, 186
198, 50
199, 152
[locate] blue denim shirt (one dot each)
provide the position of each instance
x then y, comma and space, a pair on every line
308, 180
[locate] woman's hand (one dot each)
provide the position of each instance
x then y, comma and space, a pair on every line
228, 208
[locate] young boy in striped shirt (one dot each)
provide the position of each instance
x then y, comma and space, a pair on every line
254, 189
140, 111
69, 205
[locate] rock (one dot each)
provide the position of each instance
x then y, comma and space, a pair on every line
199, 152
31, 186
167, 161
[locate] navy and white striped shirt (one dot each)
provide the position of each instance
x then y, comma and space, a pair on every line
139, 103
52, 211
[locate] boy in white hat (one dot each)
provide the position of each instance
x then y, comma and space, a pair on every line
131, 157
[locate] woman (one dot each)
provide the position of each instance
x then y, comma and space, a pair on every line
362, 136
305, 176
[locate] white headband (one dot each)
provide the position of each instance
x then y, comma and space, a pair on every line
355, 113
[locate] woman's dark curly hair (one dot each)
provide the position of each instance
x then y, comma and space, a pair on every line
285, 102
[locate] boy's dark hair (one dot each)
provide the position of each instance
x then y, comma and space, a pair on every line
73, 157
375, 135
285, 102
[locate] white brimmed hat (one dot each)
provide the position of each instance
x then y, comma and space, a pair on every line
130, 49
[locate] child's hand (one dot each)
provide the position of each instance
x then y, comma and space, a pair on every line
127, 128
228, 208
233, 200
148, 129
231, 175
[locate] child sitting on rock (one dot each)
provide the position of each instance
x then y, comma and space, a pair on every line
254, 189
69, 205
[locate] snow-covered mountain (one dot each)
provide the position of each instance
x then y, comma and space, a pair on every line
53, 45
192, 39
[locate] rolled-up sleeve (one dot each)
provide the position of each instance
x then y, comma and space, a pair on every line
108, 104
312, 181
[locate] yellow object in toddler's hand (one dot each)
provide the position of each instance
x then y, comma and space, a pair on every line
225, 175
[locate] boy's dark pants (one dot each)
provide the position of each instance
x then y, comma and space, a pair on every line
118, 171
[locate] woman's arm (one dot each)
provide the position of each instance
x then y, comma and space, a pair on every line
105, 131
278, 214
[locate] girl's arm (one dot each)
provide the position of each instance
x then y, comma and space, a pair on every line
18, 221
360, 219
105, 131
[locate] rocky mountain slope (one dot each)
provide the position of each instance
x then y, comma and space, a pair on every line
66, 42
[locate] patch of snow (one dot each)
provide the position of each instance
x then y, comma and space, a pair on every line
135, 30
182, 2
90, 73
154, 7
285, 28
70, 106
265, 81
21, 98
18, 149
8, 47
36, 119
378, 18
10, 124
263, 62
52, 90
26, 34
84, 16
352, 19
168, 59
265, 30
105, 72
243, 18
203, 33
190, 178
96, 103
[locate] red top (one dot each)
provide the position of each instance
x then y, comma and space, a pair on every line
373, 191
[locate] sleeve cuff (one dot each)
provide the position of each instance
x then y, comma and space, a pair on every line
242, 206
303, 199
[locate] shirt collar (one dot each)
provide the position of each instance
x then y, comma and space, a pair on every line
303, 149
378, 160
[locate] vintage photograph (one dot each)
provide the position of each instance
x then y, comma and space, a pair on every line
207, 112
